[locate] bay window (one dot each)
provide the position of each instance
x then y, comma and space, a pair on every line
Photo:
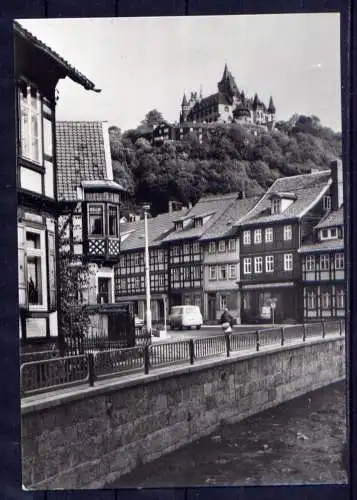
96, 220
113, 220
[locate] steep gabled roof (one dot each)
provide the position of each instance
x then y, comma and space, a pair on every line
72, 72
308, 189
216, 205
83, 155
224, 226
334, 218
158, 228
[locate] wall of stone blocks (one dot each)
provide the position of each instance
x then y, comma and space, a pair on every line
90, 438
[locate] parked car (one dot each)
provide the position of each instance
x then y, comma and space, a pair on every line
185, 317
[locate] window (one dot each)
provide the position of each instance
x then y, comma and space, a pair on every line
161, 280
288, 262
223, 302
198, 222
31, 124
324, 262
275, 206
340, 298
222, 272
138, 259
246, 238
232, 271
222, 246
35, 251
175, 274
113, 220
329, 234
325, 300
186, 248
258, 236
186, 273
96, 220
196, 247
269, 235
178, 225
104, 290
269, 263
326, 202
160, 256
247, 265
258, 265
212, 273
287, 233
310, 263
311, 299
231, 245
212, 247
175, 250
339, 261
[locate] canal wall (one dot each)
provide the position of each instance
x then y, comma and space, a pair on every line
89, 437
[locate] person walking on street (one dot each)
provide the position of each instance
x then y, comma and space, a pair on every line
227, 321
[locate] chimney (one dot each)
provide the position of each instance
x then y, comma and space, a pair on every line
337, 184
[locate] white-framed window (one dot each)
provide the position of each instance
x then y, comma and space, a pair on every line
287, 233
95, 220
113, 221
269, 264
36, 267
223, 272
31, 124
325, 300
161, 280
176, 250
104, 290
222, 246
196, 272
339, 261
138, 259
268, 235
247, 265
212, 247
311, 299
310, 263
258, 265
275, 206
186, 249
326, 202
329, 234
324, 262
232, 271
257, 236
186, 273
196, 247
340, 298
246, 238
223, 302
231, 245
160, 256
288, 262
175, 274
212, 273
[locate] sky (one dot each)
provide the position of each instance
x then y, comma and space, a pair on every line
146, 63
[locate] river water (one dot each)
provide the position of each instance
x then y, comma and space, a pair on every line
297, 442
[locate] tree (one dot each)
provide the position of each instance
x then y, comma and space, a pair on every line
152, 118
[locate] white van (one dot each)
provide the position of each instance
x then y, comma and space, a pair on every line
185, 317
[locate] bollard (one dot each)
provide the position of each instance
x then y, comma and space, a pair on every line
192, 351
282, 335
91, 369
228, 344
257, 336
146, 359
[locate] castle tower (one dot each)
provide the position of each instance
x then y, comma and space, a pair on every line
271, 111
227, 84
184, 109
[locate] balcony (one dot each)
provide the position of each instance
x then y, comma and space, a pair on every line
103, 249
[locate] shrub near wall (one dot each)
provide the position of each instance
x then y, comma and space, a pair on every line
95, 435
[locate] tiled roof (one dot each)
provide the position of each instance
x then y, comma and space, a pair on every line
337, 244
223, 227
214, 204
72, 72
334, 218
306, 187
158, 228
80, 156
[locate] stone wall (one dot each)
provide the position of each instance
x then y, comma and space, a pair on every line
90, 436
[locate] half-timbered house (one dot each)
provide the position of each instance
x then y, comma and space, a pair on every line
221, 271
89, 201
37, 71
323, 269
271, 235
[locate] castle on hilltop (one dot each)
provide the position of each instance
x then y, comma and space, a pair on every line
228, 105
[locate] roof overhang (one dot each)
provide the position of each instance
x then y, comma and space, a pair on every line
102, 185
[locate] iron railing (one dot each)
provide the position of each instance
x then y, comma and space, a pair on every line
48, 374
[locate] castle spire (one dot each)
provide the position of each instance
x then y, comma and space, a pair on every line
184, 100
225, 72
271, 107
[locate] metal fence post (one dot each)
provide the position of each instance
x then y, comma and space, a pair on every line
91, 369
228, 344
192, 351
341, 327
146, 359
257, 337
323, 330
303, 332
282, 335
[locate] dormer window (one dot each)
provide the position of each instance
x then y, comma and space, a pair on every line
275, 206
198, 222
178, 225
329, 234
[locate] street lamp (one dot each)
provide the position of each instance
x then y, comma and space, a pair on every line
146, 209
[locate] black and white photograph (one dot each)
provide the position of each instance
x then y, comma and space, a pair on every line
181, 264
